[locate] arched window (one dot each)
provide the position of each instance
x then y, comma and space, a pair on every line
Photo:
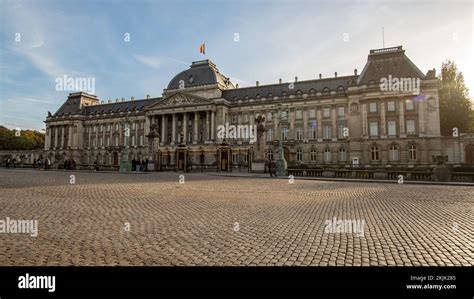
374, 153
342, 155
313, 155
412, 152
340, 90
327, 155
393, 154
299, 155
325, 91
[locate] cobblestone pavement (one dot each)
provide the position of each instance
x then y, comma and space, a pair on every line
212, 220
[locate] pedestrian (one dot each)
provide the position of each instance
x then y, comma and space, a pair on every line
146, 164
96, 166
273, 168
134, 164
73, 164
8, 163
13, 163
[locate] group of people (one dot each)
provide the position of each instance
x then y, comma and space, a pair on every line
10, 163
70, 164
139, 165
42, 163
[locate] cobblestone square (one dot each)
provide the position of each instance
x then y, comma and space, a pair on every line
152, 219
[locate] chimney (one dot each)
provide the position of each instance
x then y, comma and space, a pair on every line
123, 99
279, 80
116, 100
237, 85
132, 98
320, 76
355, 72
147, 96
296, 78
335, 74
109, 101
256, 83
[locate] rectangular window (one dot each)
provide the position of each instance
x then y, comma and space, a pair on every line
374, 128
392, 128
133, 140
312, 133
327, 112
284, 115
299, 114
409, 105
411, 126
312, 113
284, 134
391, 106
340, 130
269, 116
341, 111
299, 133
327, 132
373, 107
141, 139
269, 134
246, 118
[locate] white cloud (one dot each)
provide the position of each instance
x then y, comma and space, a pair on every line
150, 61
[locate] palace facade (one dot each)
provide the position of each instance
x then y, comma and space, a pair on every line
337, 121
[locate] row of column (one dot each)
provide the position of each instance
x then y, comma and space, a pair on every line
163, 124
53, 139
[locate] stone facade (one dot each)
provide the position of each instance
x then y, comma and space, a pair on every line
338, 121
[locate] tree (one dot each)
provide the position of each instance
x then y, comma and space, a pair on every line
28, 140
455, 107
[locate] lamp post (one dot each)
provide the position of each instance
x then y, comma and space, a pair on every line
124, 164
281, 164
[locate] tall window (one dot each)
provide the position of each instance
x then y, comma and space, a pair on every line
299, 133
116, 141
133, 140
327, 112
312, 113
269, 154
411, 126
373, 107
327, 132
312, 132
284, 134
313, 155
299, 114
374, 128
393, 154
269, 134
409, 105
269, 116
341, 111
327, 155
392, 128
391, 106
340, 130
342, 155
299, 155
412, 153
141, 140
374, 152
246, 117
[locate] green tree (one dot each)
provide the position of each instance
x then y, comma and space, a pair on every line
28, 140
455, 107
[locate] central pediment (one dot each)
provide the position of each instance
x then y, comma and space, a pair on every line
181, 99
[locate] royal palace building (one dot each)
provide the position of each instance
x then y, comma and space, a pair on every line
385, 116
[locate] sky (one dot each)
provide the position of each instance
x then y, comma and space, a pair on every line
133, 48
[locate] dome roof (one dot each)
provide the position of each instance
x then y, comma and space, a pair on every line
202, 72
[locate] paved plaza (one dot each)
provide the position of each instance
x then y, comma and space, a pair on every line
153, 219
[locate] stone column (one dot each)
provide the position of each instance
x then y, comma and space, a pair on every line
137, 124
291, 134
334, 123
383, 122
103, 136
320, 124
146, 128
163, 129
185, 127
212, 125
401, 118
62, 136
421, 117
195, 127
69, 137
90, 136
173, 130
47, 138
97, 136
305, 124
207, 136
364, 120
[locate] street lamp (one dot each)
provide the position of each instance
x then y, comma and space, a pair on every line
281, 162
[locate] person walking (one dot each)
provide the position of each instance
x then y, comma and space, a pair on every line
8, 163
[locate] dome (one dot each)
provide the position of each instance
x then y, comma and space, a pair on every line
202, 72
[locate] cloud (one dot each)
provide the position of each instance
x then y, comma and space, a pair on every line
150, 61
